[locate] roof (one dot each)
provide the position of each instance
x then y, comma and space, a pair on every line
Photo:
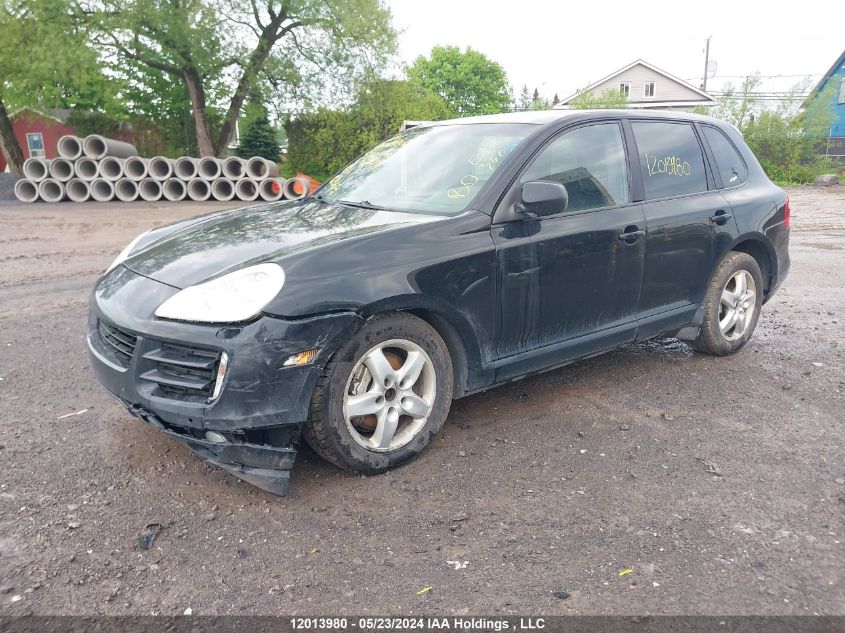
542, 117
641, 62
59, 115
839, 62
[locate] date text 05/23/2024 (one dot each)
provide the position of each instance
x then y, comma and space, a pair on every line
417, 623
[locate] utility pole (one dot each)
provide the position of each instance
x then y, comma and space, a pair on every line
706, 63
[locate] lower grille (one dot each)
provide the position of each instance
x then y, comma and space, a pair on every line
120, 345
182, 372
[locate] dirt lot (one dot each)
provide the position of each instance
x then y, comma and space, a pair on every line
720, 482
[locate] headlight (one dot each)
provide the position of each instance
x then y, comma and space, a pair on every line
125, 252
238, 296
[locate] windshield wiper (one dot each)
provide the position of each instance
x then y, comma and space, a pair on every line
363, 204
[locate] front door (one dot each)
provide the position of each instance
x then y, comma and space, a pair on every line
579, 271
688, 223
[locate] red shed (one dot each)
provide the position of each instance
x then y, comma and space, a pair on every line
37, 132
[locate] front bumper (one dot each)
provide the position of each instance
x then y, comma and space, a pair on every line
262, 405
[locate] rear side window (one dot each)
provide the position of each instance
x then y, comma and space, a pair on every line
670, 158
590, 162
728, 161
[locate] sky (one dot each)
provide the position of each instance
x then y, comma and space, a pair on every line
561, 47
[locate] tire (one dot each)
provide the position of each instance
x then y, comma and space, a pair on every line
714, 338
347, 385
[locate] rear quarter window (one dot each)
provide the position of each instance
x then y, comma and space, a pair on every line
670, 158
729, 163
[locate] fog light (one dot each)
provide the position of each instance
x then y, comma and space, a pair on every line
302, 358
221, 374
214, 436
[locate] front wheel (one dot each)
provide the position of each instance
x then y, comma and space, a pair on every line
382, 396
731, 305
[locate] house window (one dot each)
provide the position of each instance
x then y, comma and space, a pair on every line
649, 89
35, 144
625, 88
842, 91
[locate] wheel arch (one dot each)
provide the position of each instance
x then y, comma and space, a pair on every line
758, 247
453, 327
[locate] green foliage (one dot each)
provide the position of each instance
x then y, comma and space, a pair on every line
46, 61
468, 82
323, 142
608, 100
259, 139
783, 139
217, 51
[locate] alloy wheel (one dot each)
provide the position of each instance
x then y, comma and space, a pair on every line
389, 395
737, 305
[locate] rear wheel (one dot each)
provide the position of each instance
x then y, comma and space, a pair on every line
731, 305
383, 395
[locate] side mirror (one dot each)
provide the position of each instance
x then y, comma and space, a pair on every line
539, 198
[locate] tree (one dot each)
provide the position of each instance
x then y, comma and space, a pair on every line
220, 49
609, 99
259, 140
468, 82
783, 138
322, 142
524, 101
556, 100
46, 63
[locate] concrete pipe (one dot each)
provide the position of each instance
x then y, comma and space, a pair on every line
209, 168
149, 189
36, 169
271, 189
160, 168
126, 190
135, 167
96, 146
78, 190
174, 189
61, 169
259, 168
222, 189
51, 190
86, 168
246, 189
234, 168
102, 190
296, 188
111, 168
185, 168
26, 190
69, 146
199, 189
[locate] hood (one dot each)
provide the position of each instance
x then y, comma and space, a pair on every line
229, 240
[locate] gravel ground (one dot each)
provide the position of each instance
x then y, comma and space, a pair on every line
719, 482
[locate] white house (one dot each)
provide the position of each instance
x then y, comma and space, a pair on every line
647, 86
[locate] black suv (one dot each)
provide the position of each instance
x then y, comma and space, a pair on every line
453, 257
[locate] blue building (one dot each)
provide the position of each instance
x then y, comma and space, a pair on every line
835, 145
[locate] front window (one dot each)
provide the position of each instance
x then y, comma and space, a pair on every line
625, 89
437, 169
649, 90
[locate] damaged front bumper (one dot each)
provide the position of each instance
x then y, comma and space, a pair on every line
224, 391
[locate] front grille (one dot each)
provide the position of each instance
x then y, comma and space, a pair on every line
182, 372
120, 345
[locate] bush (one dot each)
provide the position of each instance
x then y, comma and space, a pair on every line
321, 143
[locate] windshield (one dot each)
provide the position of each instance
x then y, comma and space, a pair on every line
437, 169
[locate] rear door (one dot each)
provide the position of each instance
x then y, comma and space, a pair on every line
688, 223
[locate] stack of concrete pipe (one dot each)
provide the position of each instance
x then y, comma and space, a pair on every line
103, 169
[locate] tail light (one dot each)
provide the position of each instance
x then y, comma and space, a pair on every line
787, 213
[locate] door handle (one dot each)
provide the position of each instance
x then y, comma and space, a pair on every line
629, 236
721, 217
